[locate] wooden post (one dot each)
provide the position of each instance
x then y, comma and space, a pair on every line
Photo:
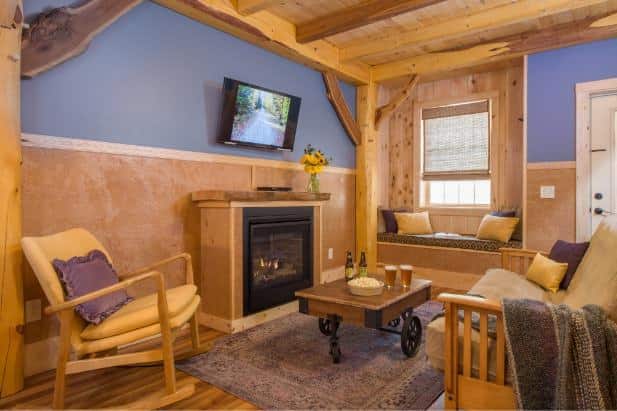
366, 175
11, 283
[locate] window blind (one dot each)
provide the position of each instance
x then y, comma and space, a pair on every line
456, 141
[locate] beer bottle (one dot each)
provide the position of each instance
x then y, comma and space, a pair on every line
363, 267
349, 274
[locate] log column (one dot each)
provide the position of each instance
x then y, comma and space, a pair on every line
11, 286
366, 175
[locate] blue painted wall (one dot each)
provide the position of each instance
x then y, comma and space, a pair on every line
551, 105
154, 78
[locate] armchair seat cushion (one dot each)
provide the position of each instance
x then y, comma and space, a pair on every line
140, 313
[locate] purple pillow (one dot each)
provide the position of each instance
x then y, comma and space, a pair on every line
509, 213
571, 253
390, 220
83, 275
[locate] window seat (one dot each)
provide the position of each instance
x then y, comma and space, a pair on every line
447, 240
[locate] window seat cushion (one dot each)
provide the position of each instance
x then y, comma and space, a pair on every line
447, 240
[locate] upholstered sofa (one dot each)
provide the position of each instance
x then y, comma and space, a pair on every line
475, 367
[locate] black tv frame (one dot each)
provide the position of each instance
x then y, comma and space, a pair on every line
230, 92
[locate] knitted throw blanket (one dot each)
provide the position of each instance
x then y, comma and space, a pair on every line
561, 358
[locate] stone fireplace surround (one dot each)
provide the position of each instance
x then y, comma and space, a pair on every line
221, 281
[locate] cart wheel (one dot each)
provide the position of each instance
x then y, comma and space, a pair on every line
411, 337
325, 326
335, 352
394, 323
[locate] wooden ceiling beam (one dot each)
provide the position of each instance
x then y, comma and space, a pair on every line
247, 7
356, 16
563, 35
336, 98
270, 32
47, 44
383, 112
496, 17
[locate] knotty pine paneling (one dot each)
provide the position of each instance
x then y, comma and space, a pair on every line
508, 83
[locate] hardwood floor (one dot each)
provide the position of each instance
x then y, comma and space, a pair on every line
116, 387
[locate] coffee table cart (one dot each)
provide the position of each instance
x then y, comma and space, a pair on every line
332, 303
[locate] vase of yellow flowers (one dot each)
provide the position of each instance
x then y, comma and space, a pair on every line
314, 161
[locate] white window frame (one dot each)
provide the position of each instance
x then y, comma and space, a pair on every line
420, 201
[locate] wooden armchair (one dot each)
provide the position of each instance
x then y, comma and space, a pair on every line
465, 388
95, 346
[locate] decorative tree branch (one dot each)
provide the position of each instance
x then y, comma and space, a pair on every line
60, 34
383, 112
333, 91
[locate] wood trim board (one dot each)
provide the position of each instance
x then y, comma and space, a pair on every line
76, 144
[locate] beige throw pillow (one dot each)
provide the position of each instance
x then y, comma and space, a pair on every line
413, 223
496, 228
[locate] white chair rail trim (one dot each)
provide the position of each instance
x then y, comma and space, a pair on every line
92, 146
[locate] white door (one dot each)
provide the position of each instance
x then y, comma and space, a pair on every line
603, 155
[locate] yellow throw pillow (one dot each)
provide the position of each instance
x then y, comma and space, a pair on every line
497, 228
413, 223
546, 272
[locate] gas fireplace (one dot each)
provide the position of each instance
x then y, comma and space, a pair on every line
278, 255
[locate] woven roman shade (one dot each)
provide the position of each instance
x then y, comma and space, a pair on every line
456, 141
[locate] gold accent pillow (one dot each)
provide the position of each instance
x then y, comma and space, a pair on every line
497, 228
413, 223
546, 272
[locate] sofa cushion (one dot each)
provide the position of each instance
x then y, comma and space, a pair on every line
435, 347
140, 313
571, 253
498, 283
448, 240
595, 280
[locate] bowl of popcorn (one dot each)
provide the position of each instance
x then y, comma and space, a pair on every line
365, 286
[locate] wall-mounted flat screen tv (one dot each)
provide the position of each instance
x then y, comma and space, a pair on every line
257, 117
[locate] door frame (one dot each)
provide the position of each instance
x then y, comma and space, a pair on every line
584, 93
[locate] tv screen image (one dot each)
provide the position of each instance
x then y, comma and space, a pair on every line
260, 117
255, 116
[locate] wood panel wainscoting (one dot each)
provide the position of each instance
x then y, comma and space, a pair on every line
549, 220
137, 200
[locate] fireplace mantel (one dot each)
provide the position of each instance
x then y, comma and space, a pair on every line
258, 196
221, 279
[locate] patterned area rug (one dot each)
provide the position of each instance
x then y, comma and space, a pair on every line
285, 364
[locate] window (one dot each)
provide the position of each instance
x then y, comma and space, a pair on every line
456, 155
459, 193
456, 141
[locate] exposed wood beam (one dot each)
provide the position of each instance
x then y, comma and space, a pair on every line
366, 176
66, 32
270, 32
606, 21
333, 91
558, 36
357, 16
468, 25
384, 112
246, 7
11, 281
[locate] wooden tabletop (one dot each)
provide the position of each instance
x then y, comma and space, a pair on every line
337, 292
